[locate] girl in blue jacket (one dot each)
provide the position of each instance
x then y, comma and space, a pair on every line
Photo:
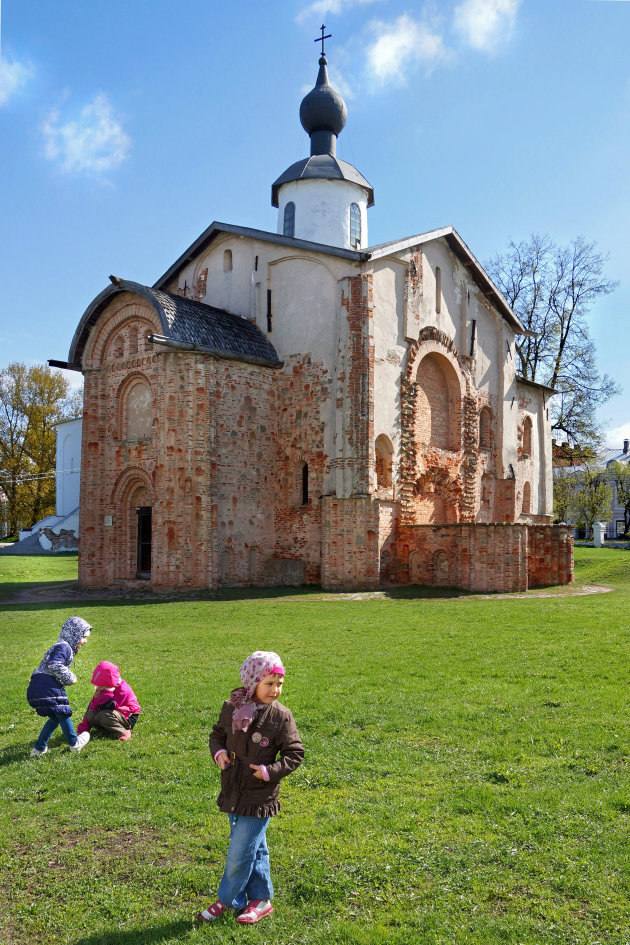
46, 690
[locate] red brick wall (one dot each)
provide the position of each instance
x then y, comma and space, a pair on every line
219, 467
481, 557
550, 555
350, 543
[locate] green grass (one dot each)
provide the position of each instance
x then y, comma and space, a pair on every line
466, 779
22, 572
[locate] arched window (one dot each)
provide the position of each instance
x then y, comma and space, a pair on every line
527, 437
355, 225
136, 411
133, 341
485, 429
383, 450
288, 226
527, 499
119, 346
438, 290
227, 260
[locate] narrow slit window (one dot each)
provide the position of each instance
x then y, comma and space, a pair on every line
268, 309
288, 227
305, 484
227, 260
438, 290
355, 225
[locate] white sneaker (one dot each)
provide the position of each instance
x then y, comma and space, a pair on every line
81, 741
36, 753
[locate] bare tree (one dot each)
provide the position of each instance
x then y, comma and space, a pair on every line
552, 289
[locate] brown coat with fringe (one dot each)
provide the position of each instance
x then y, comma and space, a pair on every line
273, 740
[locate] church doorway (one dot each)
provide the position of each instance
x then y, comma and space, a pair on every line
144, 542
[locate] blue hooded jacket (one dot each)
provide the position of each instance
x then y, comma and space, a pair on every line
46, 693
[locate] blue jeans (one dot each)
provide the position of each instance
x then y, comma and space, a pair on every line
246, 875
51, 724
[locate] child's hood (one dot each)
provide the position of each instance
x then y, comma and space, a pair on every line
73, 630
106, 674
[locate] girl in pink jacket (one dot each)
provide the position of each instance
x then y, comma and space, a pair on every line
114, 708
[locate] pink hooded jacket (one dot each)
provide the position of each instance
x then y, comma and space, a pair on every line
107, 674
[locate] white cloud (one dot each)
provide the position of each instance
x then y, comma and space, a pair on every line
402, 45
615, 436
322, 8
486, 24
13, 76
94, 143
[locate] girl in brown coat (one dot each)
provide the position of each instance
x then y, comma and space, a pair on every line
255, 743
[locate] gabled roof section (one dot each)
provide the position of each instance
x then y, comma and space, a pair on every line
459, 248
185, 324
321, 167
216, 230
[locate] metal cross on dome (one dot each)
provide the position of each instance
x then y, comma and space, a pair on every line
320, 39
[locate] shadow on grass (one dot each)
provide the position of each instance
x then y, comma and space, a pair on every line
134, 597
10, 589
16, 754
139, 936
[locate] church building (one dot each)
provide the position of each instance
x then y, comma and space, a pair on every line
300, 407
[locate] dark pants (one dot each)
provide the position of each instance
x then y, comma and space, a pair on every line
110, 721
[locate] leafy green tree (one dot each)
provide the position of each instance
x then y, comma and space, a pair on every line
32, 401
552, 289
592, 496
563, 489
620, 475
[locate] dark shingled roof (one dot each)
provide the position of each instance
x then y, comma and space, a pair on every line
185, 322
322, 167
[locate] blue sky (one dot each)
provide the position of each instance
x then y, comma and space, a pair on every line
128, 126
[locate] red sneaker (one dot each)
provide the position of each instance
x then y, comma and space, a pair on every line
215, 911
256, 910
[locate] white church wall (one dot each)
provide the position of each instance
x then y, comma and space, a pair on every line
441, 291
303, 304
227, 283
68, 465
322, 210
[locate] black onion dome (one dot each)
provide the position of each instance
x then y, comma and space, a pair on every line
323, 109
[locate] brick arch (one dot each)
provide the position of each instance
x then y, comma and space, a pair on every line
125, 429
384, 453
120, 313
435, 389
438, 404
132, 489
440, 569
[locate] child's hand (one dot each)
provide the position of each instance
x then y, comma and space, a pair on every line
223, 760
257, 772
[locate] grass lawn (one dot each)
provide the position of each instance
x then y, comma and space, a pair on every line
467, 777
